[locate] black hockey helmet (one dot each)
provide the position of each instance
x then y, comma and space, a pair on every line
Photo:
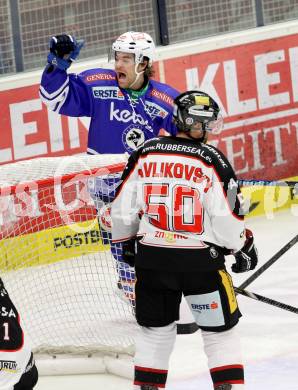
197, 106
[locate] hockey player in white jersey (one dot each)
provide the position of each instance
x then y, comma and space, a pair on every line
178, 214
17, 366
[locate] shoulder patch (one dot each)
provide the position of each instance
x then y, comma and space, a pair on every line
162, 96
99, 76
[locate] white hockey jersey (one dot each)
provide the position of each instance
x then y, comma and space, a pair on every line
177, 193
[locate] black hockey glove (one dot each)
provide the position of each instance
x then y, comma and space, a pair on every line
64, 49
247, 257
129, 252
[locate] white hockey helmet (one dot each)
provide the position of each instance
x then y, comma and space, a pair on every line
138, 43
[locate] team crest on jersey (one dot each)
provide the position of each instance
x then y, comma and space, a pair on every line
107, 93
133, 137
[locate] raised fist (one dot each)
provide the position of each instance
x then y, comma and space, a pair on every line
62, 44
64, 49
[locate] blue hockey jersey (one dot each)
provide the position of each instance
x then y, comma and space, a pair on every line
120, 121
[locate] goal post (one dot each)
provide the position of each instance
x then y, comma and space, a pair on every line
57, 265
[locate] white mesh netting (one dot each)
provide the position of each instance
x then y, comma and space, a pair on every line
55, 258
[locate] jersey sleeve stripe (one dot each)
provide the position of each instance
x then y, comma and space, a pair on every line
51, 96
92, 151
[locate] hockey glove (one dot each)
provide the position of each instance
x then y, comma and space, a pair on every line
129, 252
64, 49
247, 257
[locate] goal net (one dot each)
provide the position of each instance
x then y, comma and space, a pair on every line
55, 255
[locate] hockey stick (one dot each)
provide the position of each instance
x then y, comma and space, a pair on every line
268, 263
272, 183
193, 327
269, 301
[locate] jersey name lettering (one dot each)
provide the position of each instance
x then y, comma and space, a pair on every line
174, 170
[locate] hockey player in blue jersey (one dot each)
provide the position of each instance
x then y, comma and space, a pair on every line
125, 105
